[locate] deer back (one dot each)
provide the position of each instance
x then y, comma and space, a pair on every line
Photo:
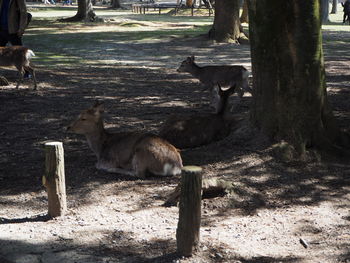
13, 56
194, 130
225, 76
199, 129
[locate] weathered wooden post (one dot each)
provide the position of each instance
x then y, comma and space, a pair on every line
54, 179
187, 232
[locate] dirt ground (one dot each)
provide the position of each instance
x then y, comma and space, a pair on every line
115, 218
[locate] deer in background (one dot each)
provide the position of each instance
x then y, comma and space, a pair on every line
195, 130
19, 57
212, 76
130, 153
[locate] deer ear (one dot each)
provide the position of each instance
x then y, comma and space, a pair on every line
192, 58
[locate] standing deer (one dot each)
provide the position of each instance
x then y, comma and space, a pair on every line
130, 153
19, 57
212, 76
195, 130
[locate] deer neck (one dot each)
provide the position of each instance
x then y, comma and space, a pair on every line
96, 139
196, 70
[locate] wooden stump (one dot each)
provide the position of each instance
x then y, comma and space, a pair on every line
54, 179
187, 232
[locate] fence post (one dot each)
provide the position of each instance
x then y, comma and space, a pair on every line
187, 232
54, 179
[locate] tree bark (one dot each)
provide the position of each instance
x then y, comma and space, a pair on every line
85, 12
187, 232
244, 16
289, 89
325, 11
334, 7
226, 26
115, 4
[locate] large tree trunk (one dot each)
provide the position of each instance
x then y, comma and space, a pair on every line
115, 4
334, 7
85, 12
289, 90
244, 16
325, 11
226, 27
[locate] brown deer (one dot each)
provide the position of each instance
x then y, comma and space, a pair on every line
130, 153
19, 57
212, 76
196, 130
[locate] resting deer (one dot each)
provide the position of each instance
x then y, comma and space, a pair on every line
211, 76
129, 153
19, 57
196, 130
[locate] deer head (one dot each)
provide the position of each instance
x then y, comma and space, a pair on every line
186, 65
89, 121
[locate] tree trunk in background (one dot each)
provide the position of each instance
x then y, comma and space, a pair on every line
85, 12
115, 4
289, 89
334, 7
325, 11
244, 16
226, 26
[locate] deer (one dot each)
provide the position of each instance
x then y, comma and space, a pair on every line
199, 129
128, 153
212, 76
19, 57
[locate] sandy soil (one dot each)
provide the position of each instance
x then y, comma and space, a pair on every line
115, 218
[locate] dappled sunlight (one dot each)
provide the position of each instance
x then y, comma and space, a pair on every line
281, 222
130, 64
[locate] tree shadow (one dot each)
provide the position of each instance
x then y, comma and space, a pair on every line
119, 247
270, 260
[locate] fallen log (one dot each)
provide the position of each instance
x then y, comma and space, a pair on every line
211, 187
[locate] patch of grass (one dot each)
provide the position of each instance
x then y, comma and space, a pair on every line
139, 36
69, 44
131, 24
52, 60
47, 38
171, 18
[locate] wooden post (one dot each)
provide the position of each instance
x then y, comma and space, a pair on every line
187, 232
54, 179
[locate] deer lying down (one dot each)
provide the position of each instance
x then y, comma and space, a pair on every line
196, 130
211, 76
130, 153
19, 57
